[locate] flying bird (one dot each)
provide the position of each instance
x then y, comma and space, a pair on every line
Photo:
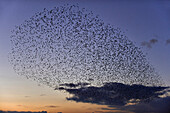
150, 43
68, 44
168, 41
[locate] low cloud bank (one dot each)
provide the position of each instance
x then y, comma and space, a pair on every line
118, 96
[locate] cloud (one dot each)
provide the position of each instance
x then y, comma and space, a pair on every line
27, 96
52, 106
116, 94
108, 108
109, 112
160, 105
72, 85
43, 95
150, 43
21, 112
168, 41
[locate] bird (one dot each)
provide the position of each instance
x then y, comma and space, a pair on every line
71, 45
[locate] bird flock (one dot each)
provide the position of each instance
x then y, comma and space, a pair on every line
69, 44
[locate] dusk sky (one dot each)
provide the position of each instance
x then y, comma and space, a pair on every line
146, 23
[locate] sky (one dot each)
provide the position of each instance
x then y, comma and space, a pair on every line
142, 21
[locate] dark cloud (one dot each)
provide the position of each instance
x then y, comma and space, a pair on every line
72, 85
59, 88
116, 94
150, 43
108, 109
168, 41
108, 112
21, 112
160, 105
27, 96
51, 106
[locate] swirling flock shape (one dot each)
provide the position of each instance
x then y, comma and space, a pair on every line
71, 45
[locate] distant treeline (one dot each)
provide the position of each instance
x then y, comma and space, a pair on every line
21, 112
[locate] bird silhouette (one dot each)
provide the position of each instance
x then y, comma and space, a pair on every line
71, 45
